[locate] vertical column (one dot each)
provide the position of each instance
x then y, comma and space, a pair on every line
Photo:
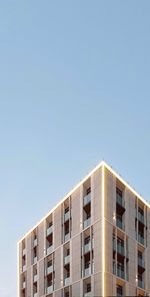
57, 227
29, 262
41, 240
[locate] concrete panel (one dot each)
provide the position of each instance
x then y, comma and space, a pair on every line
130, 213
110, 196
132, 260
57, 227
29, 292
108, 284
76, 289
41, 235
28, 251
58, 293
97, 232
96, 190
41, 278
98, 284
58, 263
108, 247
75, 211
76, 258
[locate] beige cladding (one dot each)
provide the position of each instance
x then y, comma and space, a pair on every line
41, 278
76, 258
76, 198
57, 227
41, 235
86, 266
58, 263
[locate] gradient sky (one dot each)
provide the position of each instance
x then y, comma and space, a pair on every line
74, 89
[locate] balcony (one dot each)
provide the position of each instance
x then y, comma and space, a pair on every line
120, 200
87, 294
141, 239
67, 259
120, 224
87, 271
141, 262
67, 236
50, 249
114, 268
67, 281
141, 284
120, 273
23, 268
35, 260
120, 249
87, 199
87, 223
140, 217
24, 252
35, 294
114, 245
67, 216
35, 242
49, 269
49, 230
49, 289
87, 247
24, 285
35, 278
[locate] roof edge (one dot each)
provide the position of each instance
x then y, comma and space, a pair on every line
63, 199
109, 168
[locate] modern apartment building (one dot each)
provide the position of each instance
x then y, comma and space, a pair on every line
95, 242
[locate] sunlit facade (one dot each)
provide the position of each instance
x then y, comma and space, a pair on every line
95, 242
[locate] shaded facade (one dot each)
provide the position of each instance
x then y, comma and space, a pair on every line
95, 242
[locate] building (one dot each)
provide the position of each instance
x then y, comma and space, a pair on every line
95, 242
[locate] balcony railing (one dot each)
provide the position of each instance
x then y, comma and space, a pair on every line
141, 284
67, 259
87, 294
114, 268
35, 242
87, 247
120, 249
49, 230
24, 285
67, 237
49, 269
24, 251
67, 281
87, 271
49, 289
67, 216
114, 245
120, 273
120, 224
87, 199
87, 223
23, 268
35, 277
141, 262
140, 217
35, 260
120, 200
50, 249
141, 239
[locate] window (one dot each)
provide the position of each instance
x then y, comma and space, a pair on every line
119, 290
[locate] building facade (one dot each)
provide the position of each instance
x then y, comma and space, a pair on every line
95, 242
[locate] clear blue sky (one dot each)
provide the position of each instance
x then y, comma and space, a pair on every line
74, 89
